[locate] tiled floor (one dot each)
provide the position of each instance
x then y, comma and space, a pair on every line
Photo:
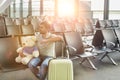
106, 71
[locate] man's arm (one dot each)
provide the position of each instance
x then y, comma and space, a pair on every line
52, 39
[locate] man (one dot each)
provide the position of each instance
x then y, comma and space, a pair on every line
46, 43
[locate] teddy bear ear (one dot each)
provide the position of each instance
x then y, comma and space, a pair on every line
33, 38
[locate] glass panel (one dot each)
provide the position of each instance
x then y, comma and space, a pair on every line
85, 9
48, 7
114, 7
11, 11
17, 10
17, 1
25, 8
66, 7
35, 7
97, 6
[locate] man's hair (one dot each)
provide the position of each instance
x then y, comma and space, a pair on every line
46, 24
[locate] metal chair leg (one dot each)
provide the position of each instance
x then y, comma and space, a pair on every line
91, 63
103, 56
111, 60
82, 60
106, 54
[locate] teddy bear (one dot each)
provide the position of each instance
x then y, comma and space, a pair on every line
27, 51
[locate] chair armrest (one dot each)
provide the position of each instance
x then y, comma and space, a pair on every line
71, 48
67, 52
89, 48
111, 44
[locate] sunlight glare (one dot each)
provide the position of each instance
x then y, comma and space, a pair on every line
66, 8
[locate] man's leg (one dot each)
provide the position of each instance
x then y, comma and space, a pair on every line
44, 68
33, 65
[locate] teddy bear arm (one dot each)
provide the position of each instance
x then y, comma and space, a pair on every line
19, 50
24, 61
18, 59
36, 53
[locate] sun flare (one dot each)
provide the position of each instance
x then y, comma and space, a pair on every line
66, 8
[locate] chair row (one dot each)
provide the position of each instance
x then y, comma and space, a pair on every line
85, 26
108, 23
104, 41
6, 30
19, 30
8, 47
74, 47
107, 42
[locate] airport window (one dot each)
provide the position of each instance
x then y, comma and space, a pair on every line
48, 8
25, 8
114, 8
35, 7
97, 6
94, 8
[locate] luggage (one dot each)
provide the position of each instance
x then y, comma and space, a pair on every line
60, 69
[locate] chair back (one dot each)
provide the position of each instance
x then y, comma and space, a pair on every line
117, 32
13, 30
97, 39
109, 37
2, 27
73, 39
27, 29
8, 46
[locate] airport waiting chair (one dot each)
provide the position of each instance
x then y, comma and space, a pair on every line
115, 23
3, 31
75, 48
8, 46
89, 28
111, 43
69, 26
109, 23
110, 38
58, 27
101, 24
79, 26
98, 42
27, 29
13, 30
99, 46
117, 33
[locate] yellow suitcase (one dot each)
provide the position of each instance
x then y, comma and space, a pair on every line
60, 69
